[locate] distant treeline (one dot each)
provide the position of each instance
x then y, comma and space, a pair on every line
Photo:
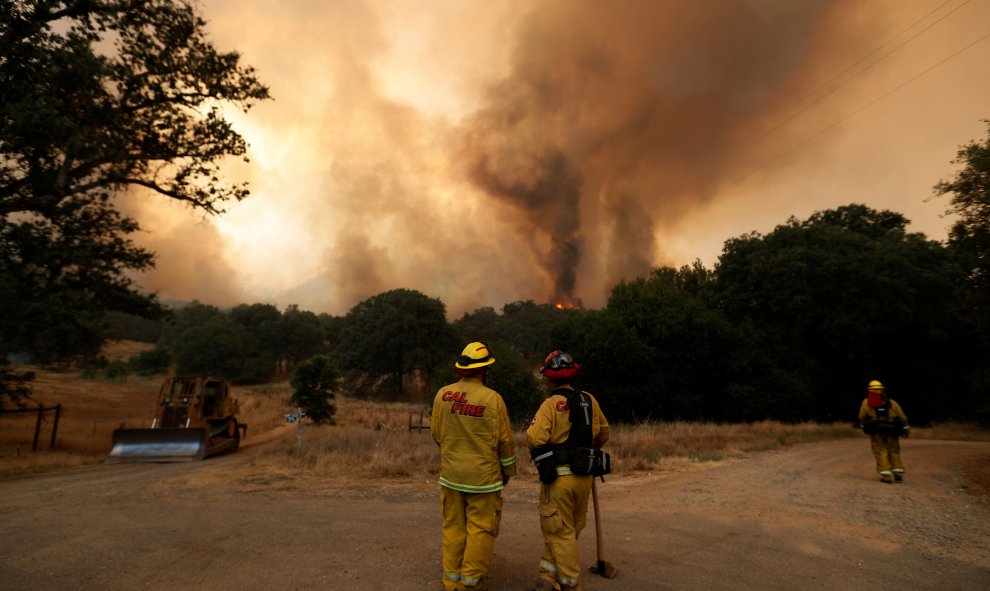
791, 326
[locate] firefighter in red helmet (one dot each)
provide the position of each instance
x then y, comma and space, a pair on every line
471, 425
563, 502
884, 421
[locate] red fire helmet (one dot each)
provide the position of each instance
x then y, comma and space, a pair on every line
560, 365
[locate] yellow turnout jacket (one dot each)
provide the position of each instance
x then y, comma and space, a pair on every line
552, 423
868, 413
471, 425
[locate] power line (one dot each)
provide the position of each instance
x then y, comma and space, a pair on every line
861, 60
866, 106
726, 155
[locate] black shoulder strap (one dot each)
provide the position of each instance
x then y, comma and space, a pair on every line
579, 404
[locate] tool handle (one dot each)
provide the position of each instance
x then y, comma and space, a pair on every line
598, 526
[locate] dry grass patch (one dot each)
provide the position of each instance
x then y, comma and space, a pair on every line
667, 445
92, 409
124, 350
952, 432
356, 447
371, 440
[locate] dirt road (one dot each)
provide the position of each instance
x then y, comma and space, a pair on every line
808, 517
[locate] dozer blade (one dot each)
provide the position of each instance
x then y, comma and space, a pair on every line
157, 445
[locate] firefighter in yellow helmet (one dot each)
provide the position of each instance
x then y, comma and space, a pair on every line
884, 421
563, 501
471, 425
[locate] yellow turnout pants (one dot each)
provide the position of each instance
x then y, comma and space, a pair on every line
470, 525
563, 514
887, 452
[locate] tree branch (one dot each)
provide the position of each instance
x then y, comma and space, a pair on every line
204, 205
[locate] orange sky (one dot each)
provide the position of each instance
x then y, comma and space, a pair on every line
490, 152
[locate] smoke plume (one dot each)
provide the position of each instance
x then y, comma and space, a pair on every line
613, 120
485, 153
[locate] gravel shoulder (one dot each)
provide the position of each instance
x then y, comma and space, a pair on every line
812, 516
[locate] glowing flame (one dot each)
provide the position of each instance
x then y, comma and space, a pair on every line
572, 303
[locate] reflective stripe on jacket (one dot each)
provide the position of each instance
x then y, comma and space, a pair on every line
552, 424
471, 425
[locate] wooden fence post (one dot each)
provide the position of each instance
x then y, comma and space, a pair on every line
58, 414
37, 427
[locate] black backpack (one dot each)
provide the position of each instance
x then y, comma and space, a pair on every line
578, 450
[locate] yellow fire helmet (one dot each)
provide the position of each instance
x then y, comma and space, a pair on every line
875, 385
475, 355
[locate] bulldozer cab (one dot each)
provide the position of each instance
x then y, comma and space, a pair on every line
184, 402
217, 399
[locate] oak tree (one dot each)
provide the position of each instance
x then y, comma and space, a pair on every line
98, 97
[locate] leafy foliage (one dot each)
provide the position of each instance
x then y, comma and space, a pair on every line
525, 326
101, 95
151, 362
13, 386
300, 337
970, 234
186, 318
222, 348
267, 341
97, 97
657, 347
837, 300
391, 337
117, 370
60, 273
314, 382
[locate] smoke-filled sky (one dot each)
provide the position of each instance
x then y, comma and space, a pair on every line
489, 152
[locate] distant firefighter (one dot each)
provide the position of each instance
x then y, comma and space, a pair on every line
883, 420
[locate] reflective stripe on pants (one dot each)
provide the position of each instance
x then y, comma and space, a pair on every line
470, 525
887, 453
563, 514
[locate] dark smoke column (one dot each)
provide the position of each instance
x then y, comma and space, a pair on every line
544, 189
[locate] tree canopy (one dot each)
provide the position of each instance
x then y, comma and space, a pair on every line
391, 337
223, 348
790, 325
100, 95
841, 298
60, 273
970, 234
97, 97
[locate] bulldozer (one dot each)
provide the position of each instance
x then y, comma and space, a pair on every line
194, 418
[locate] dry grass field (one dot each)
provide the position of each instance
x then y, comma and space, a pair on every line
372, 438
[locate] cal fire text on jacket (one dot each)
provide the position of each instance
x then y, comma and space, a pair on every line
460, 404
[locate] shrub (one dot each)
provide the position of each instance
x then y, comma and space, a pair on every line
151, 362
314, 382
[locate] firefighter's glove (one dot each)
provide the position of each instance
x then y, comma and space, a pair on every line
906, 431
